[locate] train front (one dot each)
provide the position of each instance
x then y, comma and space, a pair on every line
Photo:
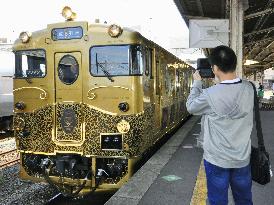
78, 117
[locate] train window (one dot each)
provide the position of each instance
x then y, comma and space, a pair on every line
117, 60
177, 80
157, 77
137, 62
68, 69
30, 64
148, 70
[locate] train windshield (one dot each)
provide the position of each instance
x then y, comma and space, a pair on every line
116, 60
30, 64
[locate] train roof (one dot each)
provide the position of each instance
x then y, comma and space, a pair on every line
129, 35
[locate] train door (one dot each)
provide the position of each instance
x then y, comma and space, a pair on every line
68, 96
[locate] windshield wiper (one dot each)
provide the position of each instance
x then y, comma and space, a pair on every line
103, 69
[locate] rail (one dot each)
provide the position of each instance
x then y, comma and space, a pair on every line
55, 199
8, 158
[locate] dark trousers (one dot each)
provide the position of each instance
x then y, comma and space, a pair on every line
219, 179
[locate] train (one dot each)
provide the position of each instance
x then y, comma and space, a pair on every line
90, 100
6, 89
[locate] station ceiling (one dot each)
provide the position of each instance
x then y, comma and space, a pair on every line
258, 36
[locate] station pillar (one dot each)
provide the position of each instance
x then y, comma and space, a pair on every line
237, 8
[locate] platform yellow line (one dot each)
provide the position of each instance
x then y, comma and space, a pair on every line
199, 195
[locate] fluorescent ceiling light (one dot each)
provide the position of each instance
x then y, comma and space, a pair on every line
250, 62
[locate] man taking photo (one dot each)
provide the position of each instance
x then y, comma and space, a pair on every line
227, 110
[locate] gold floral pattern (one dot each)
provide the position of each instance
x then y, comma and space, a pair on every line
37, 134
39, 125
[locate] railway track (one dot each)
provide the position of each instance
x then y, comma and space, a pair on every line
54, 199
92, 198
8, 158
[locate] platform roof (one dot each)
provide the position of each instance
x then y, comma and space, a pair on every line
258, 36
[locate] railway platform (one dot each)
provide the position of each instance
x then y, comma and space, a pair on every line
175, 175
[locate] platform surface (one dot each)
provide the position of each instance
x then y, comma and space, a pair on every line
175, 174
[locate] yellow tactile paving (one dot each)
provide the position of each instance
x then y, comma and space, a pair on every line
200, 191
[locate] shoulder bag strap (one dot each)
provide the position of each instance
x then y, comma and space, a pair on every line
258, 120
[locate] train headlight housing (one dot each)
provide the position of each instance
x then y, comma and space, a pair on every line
115, 31
68, 14
124, 106
19, 123
24, 36
123, 126
20, 106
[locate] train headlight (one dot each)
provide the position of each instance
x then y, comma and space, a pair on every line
115, 31
20, 106
106, 140
111, 142
123, 126
24, 36
68, 14
124, 106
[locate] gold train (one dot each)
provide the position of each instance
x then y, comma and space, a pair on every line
90, 100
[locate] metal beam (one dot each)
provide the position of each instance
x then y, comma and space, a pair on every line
259, 31
259, 41
255, 66
270, 54
261, 21
260, 13
262, 51
257, 54
269, 65
198, 17
255, 45
272, 43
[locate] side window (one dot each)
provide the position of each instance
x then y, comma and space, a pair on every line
148, 71
187, 82
168, 81
137, 60
30, 63
157, 77
177, 80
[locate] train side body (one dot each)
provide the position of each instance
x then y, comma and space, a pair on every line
6, 87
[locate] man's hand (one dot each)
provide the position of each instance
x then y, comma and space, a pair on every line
196, 75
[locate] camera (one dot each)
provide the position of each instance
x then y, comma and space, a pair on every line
204, 68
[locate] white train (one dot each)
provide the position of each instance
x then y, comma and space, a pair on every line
6, 87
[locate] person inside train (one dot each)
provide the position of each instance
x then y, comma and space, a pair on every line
227, 109
261, 91
261, 87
